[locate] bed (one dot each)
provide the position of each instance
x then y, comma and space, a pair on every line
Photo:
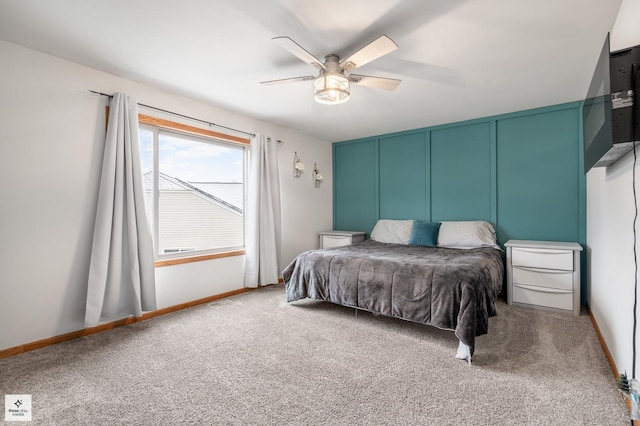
445, 274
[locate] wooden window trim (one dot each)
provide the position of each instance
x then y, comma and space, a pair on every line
172, 125
198, 258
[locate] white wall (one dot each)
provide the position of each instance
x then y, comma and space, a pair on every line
610, 212
51, 141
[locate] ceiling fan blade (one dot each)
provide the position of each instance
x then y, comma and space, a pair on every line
299, 51
377, 82
372, 51
289, 80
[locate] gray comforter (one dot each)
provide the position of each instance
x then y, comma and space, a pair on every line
452, 289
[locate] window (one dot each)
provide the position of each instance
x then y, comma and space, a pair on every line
194, 187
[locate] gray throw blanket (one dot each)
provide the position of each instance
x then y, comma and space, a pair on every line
452, 289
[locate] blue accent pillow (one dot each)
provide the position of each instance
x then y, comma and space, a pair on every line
424, 234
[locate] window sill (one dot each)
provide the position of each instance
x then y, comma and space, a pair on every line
199, 258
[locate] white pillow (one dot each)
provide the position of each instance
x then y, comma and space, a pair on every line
392, 231
467, 234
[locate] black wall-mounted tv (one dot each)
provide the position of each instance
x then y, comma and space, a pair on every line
610, 115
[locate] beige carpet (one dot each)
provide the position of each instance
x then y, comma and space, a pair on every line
254, 359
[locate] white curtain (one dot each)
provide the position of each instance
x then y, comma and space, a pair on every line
121, 274
262, 214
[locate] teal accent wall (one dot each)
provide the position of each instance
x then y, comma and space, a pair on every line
355, 199
404, 177
461, 173
538, 173
520, 171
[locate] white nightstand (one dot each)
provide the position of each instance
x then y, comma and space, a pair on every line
544, 273
340, 238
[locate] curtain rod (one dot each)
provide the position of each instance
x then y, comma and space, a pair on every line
181, 115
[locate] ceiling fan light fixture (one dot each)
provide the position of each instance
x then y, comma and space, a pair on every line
331, 88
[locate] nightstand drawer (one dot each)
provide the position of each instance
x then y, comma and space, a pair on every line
543, 258
328, 241
558, 279
541, 296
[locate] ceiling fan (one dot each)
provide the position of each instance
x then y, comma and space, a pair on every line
332, 82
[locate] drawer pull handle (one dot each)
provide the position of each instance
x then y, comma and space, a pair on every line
542, 289
332, 237
543, 271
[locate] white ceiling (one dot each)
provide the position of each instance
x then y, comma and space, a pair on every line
458, 59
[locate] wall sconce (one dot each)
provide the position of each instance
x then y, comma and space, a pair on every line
317, 177
298, 166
